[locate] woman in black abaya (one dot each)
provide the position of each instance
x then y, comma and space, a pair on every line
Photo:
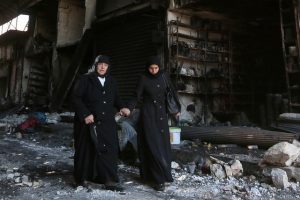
95, 98
154, 137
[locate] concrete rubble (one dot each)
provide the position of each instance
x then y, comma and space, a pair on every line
39, 166
280, 162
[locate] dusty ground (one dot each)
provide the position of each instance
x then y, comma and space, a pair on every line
45, 158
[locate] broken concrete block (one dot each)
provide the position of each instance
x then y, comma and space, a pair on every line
17, 174
217, 170
18, 180
78, 189
18, 135
281, 154
27, 183
175, 165
10, 176
280, 178
25, 178
293, 186
228, 170
252, 178
182, 178
292, 172
236, 167
191, 167
36, 184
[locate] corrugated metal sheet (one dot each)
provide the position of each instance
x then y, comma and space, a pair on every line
129, 42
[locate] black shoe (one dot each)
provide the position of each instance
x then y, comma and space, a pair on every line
159, 187
115, 188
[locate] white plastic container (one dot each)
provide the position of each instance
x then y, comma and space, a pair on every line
175, 135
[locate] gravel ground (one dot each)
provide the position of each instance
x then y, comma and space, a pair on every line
39, 166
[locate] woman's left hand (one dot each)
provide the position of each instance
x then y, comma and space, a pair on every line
125, 112
177, 114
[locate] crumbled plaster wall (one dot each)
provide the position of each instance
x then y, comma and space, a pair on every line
71, 17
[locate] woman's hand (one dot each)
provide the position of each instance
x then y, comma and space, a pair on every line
125, 112
89, 119
177, 114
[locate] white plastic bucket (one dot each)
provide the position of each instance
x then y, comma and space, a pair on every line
175, 135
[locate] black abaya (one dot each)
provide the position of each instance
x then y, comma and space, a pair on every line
154, 137
90, 97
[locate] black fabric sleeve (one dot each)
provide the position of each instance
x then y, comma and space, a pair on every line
78, 94
173, 89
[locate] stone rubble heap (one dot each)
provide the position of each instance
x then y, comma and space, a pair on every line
18, 179
281, 163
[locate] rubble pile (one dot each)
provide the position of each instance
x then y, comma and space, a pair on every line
39, 166
281, 164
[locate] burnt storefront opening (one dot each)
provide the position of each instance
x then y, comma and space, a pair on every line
226, 57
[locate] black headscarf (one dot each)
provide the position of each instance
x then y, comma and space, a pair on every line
102, 59
153, 60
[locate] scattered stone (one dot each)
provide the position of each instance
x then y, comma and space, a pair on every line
10, 176
252, 178
175, 165
280, 178
18, 180
191, 167
217, 171
36, 184
292, 172
78, 189
293, 186
281, 154
27, 183
236, 167
181, 178
18, 135
17, 174
228, 170
25, 178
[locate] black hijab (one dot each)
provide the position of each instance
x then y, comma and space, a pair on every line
102, 59
153, 60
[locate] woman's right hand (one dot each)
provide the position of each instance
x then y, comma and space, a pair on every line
89, 119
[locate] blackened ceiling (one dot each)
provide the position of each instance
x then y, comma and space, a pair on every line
243, 9
12, 8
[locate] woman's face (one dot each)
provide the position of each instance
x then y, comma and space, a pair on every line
153, 69
102, 68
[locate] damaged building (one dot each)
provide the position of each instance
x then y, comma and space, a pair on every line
236, 61
235, 65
